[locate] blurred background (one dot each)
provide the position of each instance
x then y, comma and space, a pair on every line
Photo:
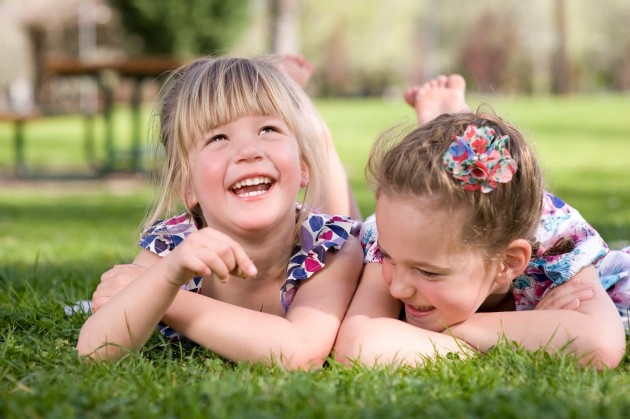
359, 48
79, 78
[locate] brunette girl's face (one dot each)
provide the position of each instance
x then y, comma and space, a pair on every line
246, 174
441, 281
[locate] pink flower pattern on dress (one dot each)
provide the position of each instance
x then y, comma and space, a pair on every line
558, 220
320, 233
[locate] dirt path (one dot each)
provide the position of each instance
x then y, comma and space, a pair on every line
116, 184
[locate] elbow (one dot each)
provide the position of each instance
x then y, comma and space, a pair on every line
346, 350
85, 349
98, 352
609, 349
303, 362
608, 357
305, 354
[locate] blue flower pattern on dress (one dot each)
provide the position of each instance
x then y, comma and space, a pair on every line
319, 234
558, 221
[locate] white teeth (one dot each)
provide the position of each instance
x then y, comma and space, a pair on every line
254, 193
422, 308
251, 181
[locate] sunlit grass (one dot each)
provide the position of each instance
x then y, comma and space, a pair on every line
57, 238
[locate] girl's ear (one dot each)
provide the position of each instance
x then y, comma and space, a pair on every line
189, 198
516, 258
304, 174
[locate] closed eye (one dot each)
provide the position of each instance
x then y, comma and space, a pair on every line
427, 274
386, 257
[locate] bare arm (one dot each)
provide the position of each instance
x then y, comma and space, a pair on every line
127, 320
304, 338
592, 331
372, 334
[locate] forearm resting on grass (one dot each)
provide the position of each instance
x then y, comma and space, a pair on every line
301, 339
371, 333
127, 321
593, 331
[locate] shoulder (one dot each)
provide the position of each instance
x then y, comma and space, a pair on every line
320, 234
164, 235
566, 243
323, 232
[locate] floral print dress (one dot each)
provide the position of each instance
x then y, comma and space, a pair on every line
567, 243
319, 234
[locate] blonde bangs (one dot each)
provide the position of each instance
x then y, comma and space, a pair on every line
224, 91
209, 93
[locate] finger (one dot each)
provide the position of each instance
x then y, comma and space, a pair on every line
116, 270
245, 267
574, 304
235, 257
107, 275
566, 300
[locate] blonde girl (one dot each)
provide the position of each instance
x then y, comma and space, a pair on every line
270, 279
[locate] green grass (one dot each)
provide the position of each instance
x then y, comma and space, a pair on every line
55, 244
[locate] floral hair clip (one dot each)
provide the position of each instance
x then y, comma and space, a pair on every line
479, 160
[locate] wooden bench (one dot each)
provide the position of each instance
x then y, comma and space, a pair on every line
18, 120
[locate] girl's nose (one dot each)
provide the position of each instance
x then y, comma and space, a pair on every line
249, 150
399, 286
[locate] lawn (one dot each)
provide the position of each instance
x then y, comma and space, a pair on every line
55, 243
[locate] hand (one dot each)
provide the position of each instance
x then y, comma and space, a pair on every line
568, 296
113, 281
207, 252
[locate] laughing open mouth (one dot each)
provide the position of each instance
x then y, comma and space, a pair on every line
252, 186
418, 310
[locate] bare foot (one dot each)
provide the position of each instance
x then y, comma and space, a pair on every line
443, 94
298, 68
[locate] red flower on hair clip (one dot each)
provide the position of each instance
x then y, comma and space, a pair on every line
479, 160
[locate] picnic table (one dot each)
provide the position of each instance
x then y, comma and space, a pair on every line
18, 120
136, 69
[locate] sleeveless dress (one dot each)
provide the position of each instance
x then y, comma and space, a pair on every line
319, 234
567, 244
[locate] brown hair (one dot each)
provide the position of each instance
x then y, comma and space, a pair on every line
211, 92
414, 167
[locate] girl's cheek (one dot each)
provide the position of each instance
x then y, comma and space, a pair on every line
387, 270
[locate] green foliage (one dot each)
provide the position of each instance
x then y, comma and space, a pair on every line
184, 27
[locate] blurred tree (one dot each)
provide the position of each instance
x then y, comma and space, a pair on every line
562, 67
285, 21
182, 27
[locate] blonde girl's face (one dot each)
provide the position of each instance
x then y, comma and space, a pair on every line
246, 174
440, 281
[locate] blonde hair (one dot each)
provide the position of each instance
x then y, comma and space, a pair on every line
211, 92
414, 167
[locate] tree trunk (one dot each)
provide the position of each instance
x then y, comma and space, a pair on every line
562, 64
285, 23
